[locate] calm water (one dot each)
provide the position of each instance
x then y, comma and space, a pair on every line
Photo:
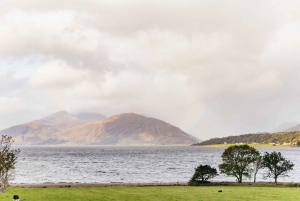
126, 164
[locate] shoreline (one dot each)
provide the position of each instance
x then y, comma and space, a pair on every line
115, 184
251, 145
78, 184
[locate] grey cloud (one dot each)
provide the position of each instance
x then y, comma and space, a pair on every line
211, 67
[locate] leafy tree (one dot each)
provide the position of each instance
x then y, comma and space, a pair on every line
277, 165
257, 165
237, 161
8, 159
203, 173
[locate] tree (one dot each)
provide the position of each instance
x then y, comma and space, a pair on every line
257, 165
8, 159
203, 173
237, 161
277, 165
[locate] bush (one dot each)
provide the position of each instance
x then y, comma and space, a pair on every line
202, 174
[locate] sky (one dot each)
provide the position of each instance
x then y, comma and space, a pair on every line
211, 67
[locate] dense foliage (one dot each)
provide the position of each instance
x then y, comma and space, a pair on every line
202, 174
247, 138
237, 161
276, 164
288, 137
8, 159
293, 138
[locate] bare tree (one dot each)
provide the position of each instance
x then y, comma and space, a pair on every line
257, 165
8, 159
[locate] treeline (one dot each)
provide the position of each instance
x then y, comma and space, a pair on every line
264, 138
246, 138
285, 137
244, 162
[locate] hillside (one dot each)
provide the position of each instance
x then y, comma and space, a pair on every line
294, 128
129, 129
90, 129
47, 129
263, 138
285, 126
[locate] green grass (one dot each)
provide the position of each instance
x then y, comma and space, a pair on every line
157, 193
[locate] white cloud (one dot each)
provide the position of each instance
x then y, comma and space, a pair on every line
11, 105
51, 34
266, 82
226, 66
58, 73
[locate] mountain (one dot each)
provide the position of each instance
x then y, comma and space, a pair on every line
293, 128
47, 129
90, 129
284, 126
58, 117
90, 116
129, 129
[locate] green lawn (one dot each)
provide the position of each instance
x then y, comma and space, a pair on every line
159, 193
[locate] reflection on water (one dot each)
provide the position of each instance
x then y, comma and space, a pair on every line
103, 164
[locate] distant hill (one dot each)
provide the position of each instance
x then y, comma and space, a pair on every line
285, 127
129, 129
277, 138
293, 128
48, 128
93, 129
246, 138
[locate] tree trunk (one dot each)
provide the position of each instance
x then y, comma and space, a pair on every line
276, 180
240, 179
255, 176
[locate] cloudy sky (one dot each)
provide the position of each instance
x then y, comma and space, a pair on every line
211, 67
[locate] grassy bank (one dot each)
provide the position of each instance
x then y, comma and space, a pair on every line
157, 193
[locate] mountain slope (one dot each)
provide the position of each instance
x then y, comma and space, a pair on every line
129, 129
291, 138
285, 126
88, 129
31, 133
48, 129
294, 128
246, 138
58, 117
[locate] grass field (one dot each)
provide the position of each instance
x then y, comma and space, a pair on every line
157, 193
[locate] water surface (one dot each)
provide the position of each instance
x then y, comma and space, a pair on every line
103, 164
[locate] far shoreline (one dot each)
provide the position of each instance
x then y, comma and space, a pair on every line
251, 145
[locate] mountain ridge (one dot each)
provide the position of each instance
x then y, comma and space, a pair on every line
121, 129
130, 129
293, 128
285, 126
